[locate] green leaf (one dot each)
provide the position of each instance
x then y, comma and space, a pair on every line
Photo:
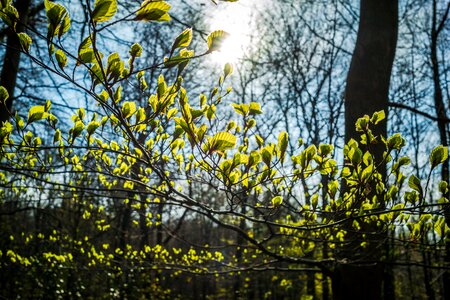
266, 155
4, 95
255, 108
25, 41
241, 109
48, 105
96, 74
57, 136
259, 140
92, 126
5, 129
128, 109
396, 141
115, 66
64, 25
36, 113
254, 158
58, 19
414, 183
153, 11
9, 15
438, 156
77, 129
443, 187
355, 155
180, 60
441, 227
222, 141
378, 117
216, 39
86, 56
325, 149
183, 40
86, 43
277, 201
136, 50
362, 124
411, 197
227, 70
104, 10
282, 144
61, 58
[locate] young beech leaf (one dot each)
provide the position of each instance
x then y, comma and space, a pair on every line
128, 109
183, 40
216, 39
86, 56
57, 136
277, 201
266, 154
443, 187
86, 43
438, 155
153, 11
325, 149
4, 95
222, 141
58, 19
414, 183
61, 58
64, 26
259, 140
77, 129
9, 15
36, 113
255, 108
136, 50
282, 144
92, 126
227, 70
25, 41
241, 109
377, 117
104, 10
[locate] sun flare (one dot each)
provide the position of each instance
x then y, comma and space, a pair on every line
235, 19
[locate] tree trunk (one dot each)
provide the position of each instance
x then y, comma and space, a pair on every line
367, 91
12, 59
357, 282
440, 109
367, 88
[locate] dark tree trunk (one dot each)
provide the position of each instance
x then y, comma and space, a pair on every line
389, 279
367, 91
357, 282
367, 88
436, 28
11, 60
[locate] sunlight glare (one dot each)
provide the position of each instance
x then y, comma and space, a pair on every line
236, 20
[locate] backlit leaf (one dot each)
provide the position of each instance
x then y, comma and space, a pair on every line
104, 10
216, 39
36, 113
183, 40
438, 155
153, 11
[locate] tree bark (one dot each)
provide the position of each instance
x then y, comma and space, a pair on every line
441, 115
367, 88
11, 60
367, 91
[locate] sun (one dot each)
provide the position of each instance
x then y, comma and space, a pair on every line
236, 20
231, 51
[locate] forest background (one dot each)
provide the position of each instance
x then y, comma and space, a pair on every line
175, 161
